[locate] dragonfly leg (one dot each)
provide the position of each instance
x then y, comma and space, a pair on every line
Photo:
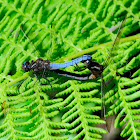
43, 76
36, 78
43, 72
102, 98
79, 68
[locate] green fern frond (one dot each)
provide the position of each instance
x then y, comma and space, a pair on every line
127, 104
31, 111
78, 108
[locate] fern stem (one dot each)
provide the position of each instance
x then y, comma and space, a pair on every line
94, 48
18, 79
86, 51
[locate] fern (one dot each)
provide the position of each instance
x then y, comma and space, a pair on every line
31, 111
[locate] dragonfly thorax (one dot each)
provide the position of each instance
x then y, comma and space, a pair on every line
36, 66
40, 65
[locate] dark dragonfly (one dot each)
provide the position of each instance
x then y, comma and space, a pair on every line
96, 70
102, 67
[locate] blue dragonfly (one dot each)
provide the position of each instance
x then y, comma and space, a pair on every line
44, 65
41, 65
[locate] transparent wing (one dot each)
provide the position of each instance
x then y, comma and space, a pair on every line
106, 61
115, 43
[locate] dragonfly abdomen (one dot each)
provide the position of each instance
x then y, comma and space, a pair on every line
73, 75
70, 63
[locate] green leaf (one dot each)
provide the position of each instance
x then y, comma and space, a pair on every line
71, 110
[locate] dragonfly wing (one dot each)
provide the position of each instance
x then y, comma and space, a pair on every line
115, 43
103, 84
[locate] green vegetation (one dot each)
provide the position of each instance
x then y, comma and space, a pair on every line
71, 110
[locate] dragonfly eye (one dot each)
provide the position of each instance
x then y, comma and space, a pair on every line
26, 66
88, 62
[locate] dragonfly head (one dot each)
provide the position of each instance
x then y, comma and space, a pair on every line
95, 68
26, 66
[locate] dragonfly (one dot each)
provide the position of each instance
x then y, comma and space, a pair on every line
102, 67
41, 65
44, 65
